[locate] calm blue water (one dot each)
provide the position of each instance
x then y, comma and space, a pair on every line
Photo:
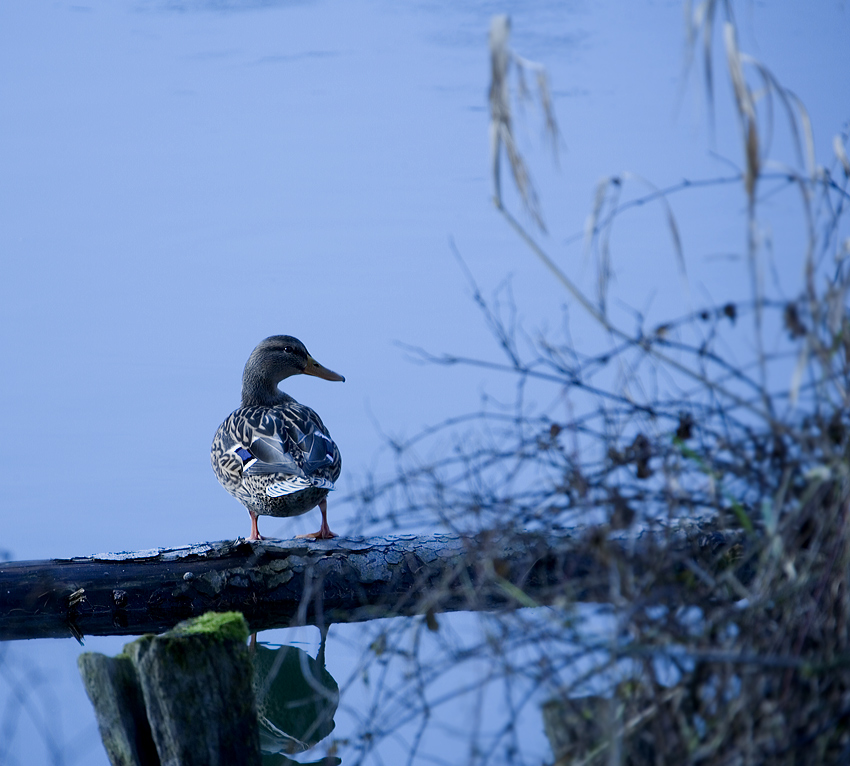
181, 179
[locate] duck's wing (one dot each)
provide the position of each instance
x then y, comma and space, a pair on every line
290, 442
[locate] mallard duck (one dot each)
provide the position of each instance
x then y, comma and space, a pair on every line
274, 455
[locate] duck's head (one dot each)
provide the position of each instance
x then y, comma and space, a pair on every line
275, 359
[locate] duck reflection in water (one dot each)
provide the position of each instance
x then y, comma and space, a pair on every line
296, 700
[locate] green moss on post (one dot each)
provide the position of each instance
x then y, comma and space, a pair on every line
224, 626
195, 681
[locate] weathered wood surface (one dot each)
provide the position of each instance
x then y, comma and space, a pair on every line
112, 684
278, 583
184, 698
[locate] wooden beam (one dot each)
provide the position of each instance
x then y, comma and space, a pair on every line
278, 583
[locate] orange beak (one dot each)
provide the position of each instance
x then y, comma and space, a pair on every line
315, 369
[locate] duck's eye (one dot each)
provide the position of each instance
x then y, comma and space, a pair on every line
288, 349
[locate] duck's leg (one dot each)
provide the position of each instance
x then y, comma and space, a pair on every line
255, 532
324, 532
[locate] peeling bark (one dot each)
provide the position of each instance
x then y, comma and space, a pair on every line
279, 583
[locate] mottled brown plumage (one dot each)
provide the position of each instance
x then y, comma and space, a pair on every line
273, 454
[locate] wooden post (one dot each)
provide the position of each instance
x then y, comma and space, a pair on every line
195, 686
